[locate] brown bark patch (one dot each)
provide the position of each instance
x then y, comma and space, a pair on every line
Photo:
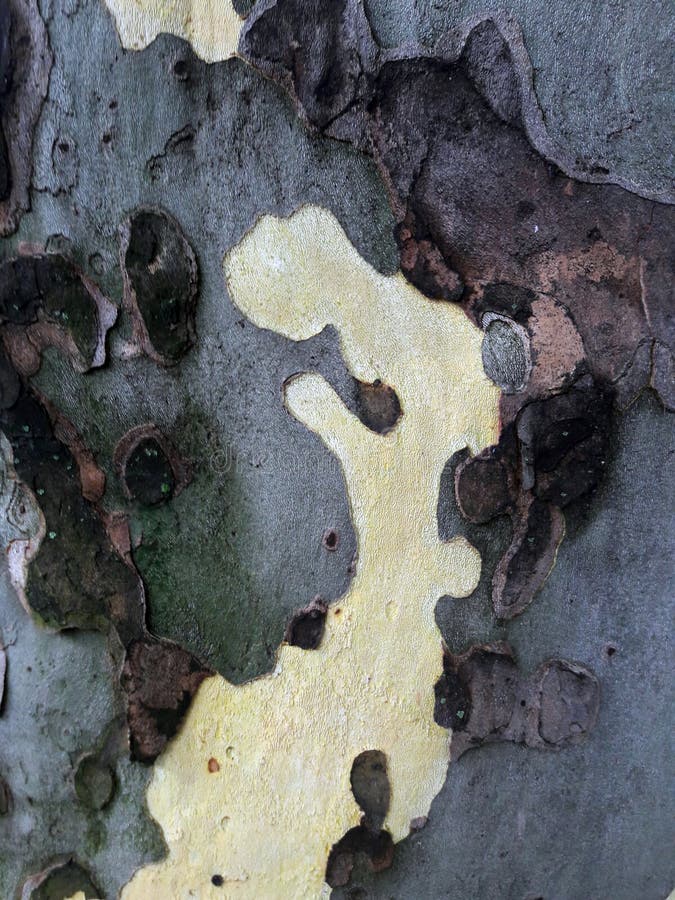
160, 680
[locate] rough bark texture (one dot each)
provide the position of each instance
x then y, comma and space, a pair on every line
163, 516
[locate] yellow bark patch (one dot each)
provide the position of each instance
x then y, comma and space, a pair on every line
266, 818
211, 26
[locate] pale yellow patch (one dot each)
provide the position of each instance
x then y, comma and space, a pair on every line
285, 743
211, 26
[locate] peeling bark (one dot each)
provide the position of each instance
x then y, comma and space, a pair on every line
490, 215
483, 698
25, 65
160, 680
160, 284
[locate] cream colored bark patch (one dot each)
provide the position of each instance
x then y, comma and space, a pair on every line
264, 818
211, 26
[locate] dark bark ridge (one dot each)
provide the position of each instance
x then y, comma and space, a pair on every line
25, 64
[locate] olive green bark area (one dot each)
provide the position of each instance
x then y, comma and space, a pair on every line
202, 593
66, 882
198, 554
219, 576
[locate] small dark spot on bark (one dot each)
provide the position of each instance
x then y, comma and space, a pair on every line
97, 263
217, 880
610, 650
307, 625
453, 699
5, 798
181, 69
330, 539
5, 167
149, 467
3, 660
525, 209
213, 765
10, 383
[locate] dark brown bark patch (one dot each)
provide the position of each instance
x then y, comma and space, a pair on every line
5, 798
554, 454
77, 579
46, 301
376, 847
160, 284
160, 680
483, 697
370, 786
377, 405
320, 52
